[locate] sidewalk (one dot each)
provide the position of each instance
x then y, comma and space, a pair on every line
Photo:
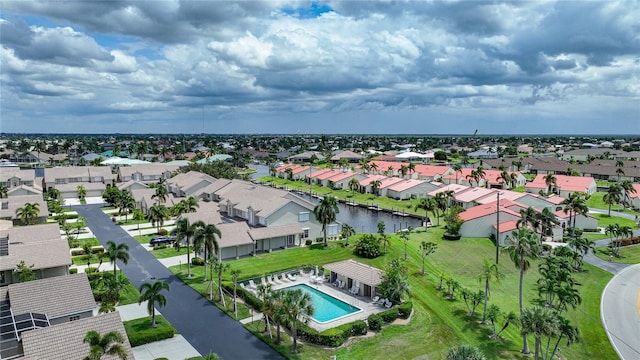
175, 260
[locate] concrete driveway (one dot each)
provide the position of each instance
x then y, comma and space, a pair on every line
620, 312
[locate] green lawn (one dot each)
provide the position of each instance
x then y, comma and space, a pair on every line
130, 221
604, 220
139, 331
596, 201
81, 260
170, 252
129, 295
144, 239
628, 255
439, 323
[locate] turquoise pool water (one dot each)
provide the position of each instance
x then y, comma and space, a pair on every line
327, 308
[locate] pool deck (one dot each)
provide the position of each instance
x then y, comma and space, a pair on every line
364, 303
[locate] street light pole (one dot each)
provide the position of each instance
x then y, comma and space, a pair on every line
497, 228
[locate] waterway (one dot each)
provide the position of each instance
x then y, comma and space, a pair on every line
362, 219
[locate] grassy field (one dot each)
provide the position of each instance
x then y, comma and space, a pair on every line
170, 251
604, 220
439, 323
129, 295
596, 201
628, 255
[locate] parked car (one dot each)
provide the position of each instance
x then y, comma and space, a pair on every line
162, 240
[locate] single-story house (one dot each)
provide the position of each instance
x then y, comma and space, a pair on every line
349, 155
479, 220
356, 275
11, 204
406, 189
145, 173
564, 186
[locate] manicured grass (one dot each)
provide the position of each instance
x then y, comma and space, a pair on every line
439, 323
129, 295
596, 201
604, 220
81, 260
140, 332
169, 251
628, 255
144, 239
132, 222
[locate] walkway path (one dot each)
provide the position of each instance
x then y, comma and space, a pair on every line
206, 327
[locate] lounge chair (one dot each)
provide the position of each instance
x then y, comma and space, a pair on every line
312, 279
252, 285
375, 299
291, 277
381, 302
354, 290
335, 282
388, 304
342, 285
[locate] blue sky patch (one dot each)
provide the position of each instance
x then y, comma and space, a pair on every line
312, 12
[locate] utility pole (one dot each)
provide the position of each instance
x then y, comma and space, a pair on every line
498, 228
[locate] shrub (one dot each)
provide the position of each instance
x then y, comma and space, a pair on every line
375, 322
90, 270
245, 295
73, 271
359, 328
389, 315
546, 248
163, 232
404, 310
77, 252
368, 246
162, 358
150, 335
93, 275
97, 249
197, 261
308, 242
319, 239
74, 243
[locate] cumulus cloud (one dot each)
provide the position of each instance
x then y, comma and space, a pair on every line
288, 60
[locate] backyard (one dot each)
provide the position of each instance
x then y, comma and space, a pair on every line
438, 323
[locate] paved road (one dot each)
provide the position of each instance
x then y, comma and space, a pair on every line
620, 312
206, 327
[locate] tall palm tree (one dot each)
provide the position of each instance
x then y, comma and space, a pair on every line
613, 195
28, 213
426, 205
481, 174
107, 344
190, 204
550, 180
375, 186
297, 306
522, 245
457, 169
547, 220
151, 293
206, 237
115, 252
404, 169
185, 230
235, 274
346, 232
157, 214
161, 193
404, 235
490, 272
411, 167
575, 204
627, 187
354, 185
539, 322
125, 203
373, 166
325, 212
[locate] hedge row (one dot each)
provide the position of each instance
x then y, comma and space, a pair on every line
629, 241
332, 337
401, 311
150, 335
94, 249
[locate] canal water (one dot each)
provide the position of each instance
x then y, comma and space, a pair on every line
361, 219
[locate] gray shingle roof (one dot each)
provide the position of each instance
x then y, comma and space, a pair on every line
55, 296
64, 341
40, 245
234, 234
275, 231
358, 271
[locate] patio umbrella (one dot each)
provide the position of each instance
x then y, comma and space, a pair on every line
317, 274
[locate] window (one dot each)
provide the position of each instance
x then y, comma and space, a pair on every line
305, 233
303, 216
74, 317
332, 230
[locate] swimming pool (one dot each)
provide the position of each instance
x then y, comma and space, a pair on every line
327, 308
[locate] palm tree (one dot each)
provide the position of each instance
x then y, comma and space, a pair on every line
627, 187
411, 167
190, 204
473, 176
509, 319
375, 186
157, 214
427, 248
28, 213
346, 232
522, 245
325, 212
457, 169
125, 203
481, 174
151, 294
465, 352
117, 252
297, 306
220, 267
289, 172
540, 322
490, 271
549, 180
160, 194
82, 191
395, 282
235, 274
547, 220
404, 234
373, 166
354, 185
426, 205
613, 195
185, 230
575, 204
205, 237
404, 169
107, 344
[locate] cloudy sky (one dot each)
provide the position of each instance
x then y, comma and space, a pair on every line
540, 67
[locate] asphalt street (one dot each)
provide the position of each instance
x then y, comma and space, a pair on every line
620, 312
206, 327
